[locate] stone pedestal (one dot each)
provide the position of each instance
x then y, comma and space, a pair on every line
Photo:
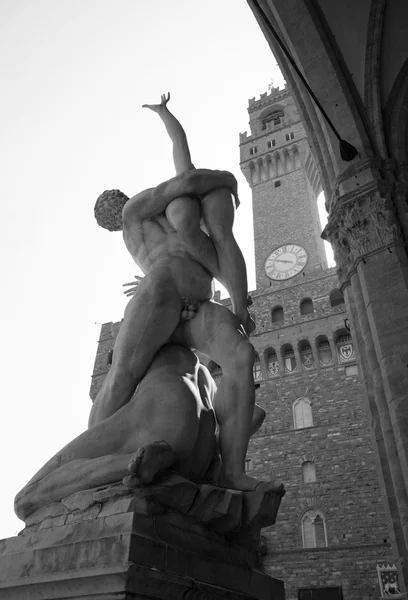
171, 540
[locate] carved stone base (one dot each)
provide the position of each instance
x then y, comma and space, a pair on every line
170, 540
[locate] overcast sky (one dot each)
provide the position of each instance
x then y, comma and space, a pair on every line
75, 74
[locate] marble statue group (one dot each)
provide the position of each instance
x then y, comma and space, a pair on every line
159, 407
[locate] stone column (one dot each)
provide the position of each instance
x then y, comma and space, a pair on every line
333, 349
315, 354
297, 357
389, 470
370, 252
281, 364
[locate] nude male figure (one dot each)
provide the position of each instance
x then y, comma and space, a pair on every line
153, 315
174, 402
213, 214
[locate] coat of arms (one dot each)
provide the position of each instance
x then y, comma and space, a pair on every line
346, 352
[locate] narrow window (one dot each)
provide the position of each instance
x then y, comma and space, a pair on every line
302, 414
336, 298
306, 355
292, 135
287, 137
306, 306
273, 363
289, 359
277, 183
324, 352
253, 150
271, 143
277, 314
313, 530
309, 472
345, 347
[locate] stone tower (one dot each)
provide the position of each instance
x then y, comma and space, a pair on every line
278, 165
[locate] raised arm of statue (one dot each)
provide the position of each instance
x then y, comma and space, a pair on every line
218, 252
181, 151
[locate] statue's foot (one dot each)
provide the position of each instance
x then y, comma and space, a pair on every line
147, 462
244, 483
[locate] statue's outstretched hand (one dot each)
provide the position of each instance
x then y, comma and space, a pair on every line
131, 290
158, 107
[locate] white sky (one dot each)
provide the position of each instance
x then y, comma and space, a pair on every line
75, 74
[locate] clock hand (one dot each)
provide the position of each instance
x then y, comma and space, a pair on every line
282, 260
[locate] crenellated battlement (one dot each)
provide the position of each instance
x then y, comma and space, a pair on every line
275, 94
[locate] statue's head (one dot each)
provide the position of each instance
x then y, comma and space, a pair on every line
108, 209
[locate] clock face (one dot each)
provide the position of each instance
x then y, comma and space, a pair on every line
285, 262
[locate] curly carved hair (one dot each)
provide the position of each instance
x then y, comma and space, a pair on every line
108, 209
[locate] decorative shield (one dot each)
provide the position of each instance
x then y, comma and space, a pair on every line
388, 580
346, 352
290, 363
307, 360
273, 367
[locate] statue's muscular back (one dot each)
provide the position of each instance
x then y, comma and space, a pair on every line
153, 243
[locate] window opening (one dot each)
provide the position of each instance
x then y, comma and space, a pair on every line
306, 306
289, 360
345, 348
313, 530
273, 364
309, 472
325, 353
277, 314
306, 355
302, 414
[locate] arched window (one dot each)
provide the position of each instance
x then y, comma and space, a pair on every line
324, 351
272, 116
306, 355
273, 363
288, 162
336, 298
306, 306
215, 371
254, 173
289, 359
314, 529
296, 156
263, 176
257, 368
277, 314
302, 413
270, 167
279, 165
345, 347
309, 472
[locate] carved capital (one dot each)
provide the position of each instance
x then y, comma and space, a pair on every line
361, 225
